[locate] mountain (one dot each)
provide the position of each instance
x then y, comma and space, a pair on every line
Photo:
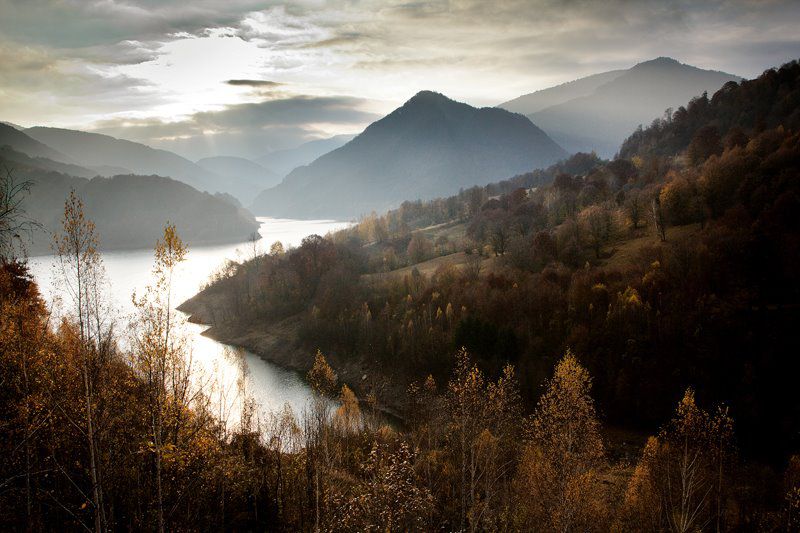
129, 211
13, 158
602, 119
108, 171
281, 162
244, 178
536, 101
96, 150
12, 136
429, 147
738, 111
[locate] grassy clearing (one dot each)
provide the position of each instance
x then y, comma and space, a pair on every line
625, 252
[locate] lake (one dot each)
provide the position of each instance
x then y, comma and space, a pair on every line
219, 367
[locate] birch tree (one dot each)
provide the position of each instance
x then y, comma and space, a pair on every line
159, 355
80, 267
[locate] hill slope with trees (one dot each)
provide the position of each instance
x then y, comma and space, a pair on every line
129, 211
659, 270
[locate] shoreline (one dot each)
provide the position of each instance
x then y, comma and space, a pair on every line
276, 343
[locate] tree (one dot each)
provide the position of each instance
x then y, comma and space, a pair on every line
680, 481
323, 381
276, 249
13, 220
389, 498
659, 221
419, 248
705, 143
81, 270
483, 419
160, 355
557, 482
635, 207
599, 226
678, 200
498, 231
348, 416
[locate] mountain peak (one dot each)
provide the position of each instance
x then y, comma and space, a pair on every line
659, 62
428, 97
431, 146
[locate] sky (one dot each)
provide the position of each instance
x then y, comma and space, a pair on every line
244, 77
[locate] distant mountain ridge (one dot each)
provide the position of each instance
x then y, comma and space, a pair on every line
128, 211
536, 101
281, 162
603, 118
14, 158
96, 150
431, 146
244, 178
15, 138
732, 115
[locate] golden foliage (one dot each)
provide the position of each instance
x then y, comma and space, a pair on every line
321, 377
556, 480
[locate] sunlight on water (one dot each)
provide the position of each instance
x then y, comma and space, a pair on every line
218, 368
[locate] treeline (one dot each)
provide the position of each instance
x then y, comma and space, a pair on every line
393, 230
663, 271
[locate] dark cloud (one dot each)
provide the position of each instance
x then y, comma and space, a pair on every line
253, 83
248, 130
79, 24
297, 110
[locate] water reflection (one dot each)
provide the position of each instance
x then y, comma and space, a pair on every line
220, 369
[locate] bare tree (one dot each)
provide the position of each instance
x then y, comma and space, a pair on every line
13, 220
658, 218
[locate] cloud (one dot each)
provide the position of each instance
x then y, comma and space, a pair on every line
248, 130
253, 83
40, 86
78, 23
178, 62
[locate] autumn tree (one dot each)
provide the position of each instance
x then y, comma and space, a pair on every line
389, 498
659, 220
348, 418
483, 418
323, 381
599, 223
160, 355
557, 485
81, 271
419, 248
705, 143
680, 483
276, 249
635, 207
678, 199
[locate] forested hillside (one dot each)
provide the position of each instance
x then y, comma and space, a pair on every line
129, 211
